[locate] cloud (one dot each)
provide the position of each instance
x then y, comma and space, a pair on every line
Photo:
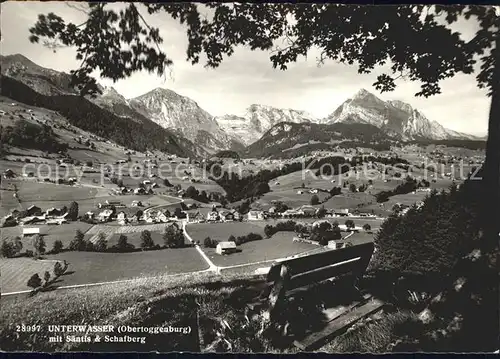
248, 77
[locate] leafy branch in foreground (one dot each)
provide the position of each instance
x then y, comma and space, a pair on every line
416, 41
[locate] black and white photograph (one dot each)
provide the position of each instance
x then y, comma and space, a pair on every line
236, 177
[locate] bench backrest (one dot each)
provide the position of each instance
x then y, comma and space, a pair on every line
314, 268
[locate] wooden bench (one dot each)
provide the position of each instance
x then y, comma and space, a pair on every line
289, 277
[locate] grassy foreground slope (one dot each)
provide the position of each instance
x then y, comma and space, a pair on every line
164, 301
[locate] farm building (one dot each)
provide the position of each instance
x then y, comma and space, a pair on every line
226, 216
33, 211
53, 212
341, 212
139, 190
212, 216
308, 210
8, 173
255, 215
225, 248
56, 221
121, 218
105, 215
27, 232
196, 218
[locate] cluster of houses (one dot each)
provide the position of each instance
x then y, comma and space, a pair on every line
229, 215
34, 214
122, 218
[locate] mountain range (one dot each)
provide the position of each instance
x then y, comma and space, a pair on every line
204, 133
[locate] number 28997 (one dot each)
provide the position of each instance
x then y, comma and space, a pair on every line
28, 328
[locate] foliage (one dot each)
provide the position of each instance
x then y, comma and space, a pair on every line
193, 193
227, 154
73, 211
427, 241
210, 243
46, 277
173, 236
101, 244
77, 244
57, 246
58, 269
349, 223
367, 227
288, 226
38, 244
29, 135
146, 240
6, 249
325, 232
248, 238
123, 245
35, 281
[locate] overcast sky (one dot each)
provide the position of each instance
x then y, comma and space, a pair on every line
247, 77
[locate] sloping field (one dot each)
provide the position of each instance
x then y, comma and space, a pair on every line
15, 272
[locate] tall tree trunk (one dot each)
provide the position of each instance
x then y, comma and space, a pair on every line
492, 161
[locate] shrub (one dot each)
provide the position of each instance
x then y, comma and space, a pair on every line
314, 200
57, 247
367, 227
89, 164
35, 281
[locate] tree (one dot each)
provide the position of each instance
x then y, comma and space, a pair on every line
231, 238
77, 244
123, 244
38, 244
314, 200
349, 223
352, 187
89, 163
58, 269
35, 281
321, 212
167, 183
46, 277
73, 211
57, 246
191, 192
146, 240
101, 244
6, 249
173, 237
209, 243
367, 227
